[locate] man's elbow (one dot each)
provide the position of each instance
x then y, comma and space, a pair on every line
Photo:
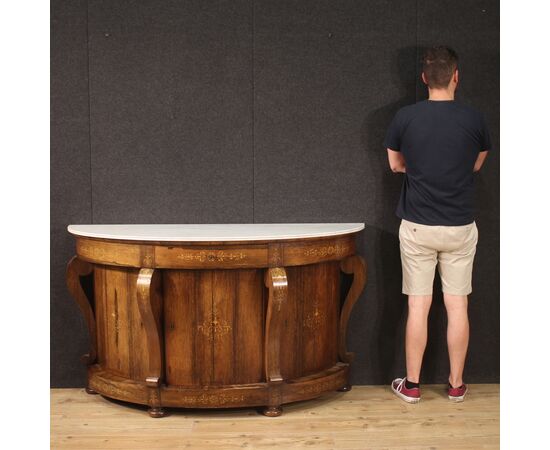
480, 161
397, 168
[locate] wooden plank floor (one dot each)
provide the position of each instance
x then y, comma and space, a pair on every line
367, 417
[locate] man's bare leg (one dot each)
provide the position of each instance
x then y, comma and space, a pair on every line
416, 334
458, 330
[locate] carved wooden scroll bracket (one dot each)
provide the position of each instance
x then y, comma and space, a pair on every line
357, 266
277, 284
76, 269
154, 348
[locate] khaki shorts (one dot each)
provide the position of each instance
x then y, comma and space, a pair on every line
450, 248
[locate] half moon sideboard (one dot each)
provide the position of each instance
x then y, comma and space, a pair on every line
215, 316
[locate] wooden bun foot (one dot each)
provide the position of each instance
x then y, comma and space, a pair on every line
156, 412
345, 388
91, 391
272, 411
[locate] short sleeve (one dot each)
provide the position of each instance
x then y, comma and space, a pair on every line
394, 133
484, 135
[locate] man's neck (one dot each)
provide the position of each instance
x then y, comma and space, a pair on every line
440, 94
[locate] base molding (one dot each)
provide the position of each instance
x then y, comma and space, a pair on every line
117, 387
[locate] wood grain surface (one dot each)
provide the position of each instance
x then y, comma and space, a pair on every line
367, 417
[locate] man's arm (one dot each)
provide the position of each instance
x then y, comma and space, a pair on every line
480, 160
397, 162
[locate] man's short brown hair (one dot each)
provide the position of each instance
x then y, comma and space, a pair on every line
438, 65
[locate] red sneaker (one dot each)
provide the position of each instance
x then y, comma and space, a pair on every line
409, 395
457, 394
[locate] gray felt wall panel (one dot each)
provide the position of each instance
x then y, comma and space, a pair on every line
321, 68
263, 111
171, 91
328, 78
70, 200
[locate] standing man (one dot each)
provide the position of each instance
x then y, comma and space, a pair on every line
438, 144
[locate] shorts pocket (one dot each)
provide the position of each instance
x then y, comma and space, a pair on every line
404, 231
469, 238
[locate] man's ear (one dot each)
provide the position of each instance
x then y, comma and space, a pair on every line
424, 78
455, 76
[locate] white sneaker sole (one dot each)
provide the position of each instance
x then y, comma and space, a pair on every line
404, 397
458, 399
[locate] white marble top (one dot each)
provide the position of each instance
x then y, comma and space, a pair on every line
215, 232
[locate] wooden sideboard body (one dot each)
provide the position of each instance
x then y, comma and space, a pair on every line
216, 324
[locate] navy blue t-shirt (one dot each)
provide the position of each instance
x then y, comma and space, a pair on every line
440, 142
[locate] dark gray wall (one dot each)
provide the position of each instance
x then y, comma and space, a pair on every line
263, 111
